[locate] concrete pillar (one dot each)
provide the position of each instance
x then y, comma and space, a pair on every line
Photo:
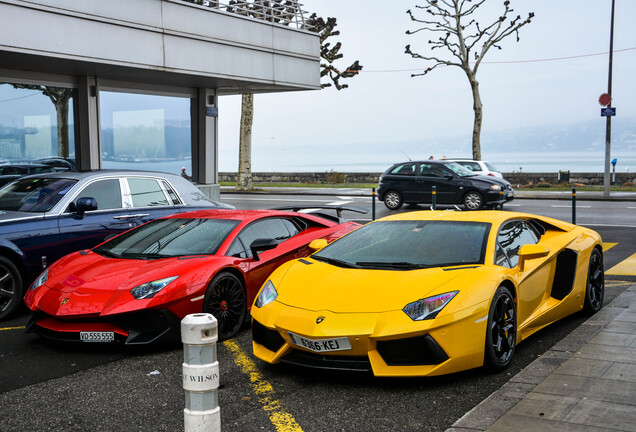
88, 149
204, 142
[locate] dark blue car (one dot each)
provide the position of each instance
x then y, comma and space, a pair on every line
46, 216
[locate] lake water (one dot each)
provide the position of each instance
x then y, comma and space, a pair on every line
510, 162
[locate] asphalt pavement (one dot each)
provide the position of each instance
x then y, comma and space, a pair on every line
586, 382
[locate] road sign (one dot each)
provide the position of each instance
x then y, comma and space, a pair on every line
608, 112
605, 99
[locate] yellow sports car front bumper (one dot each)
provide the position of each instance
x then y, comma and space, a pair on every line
387, 343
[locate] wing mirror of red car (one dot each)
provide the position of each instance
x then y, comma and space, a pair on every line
262, 244
317, 244
531, 251
85, 204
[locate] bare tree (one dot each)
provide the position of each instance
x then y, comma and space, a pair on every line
466, 43
328, 54
60, 97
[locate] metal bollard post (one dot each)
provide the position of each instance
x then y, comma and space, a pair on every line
574, 205
200, 373
373, 204
434, 192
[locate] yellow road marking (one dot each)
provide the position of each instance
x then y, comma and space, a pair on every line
607, 246
614, 283
626, 267
12, 328
282, 421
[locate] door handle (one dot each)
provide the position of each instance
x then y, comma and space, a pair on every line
132, 216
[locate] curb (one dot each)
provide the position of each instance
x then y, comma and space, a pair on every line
495, 406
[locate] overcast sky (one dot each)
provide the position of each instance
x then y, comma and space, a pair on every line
521, 85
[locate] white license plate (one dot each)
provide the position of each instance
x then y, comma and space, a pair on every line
97, 336
321, 345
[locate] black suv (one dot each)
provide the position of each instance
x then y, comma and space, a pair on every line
412, 183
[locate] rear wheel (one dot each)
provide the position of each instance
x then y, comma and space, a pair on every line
10, 288
501, 335
473, 201
393, 200
595, 290
225, 299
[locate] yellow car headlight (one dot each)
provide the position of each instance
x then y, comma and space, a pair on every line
495, 187
267, 295
428, 308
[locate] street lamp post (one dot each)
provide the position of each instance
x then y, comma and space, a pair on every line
608, 129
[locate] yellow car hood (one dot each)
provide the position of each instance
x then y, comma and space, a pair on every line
320, 286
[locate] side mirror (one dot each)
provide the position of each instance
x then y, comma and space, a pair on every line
317, 244
260, 245
531, 251
85, 204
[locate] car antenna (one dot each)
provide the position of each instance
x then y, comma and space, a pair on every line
407, 156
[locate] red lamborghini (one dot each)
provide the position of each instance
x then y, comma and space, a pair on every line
135, 288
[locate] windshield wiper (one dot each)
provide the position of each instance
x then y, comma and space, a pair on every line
334, 261
106, 253
392, 265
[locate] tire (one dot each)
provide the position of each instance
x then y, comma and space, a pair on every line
595, 290
473, 201
10, 288
225, 299
501, 334
393, 200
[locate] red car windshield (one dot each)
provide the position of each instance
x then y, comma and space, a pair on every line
34, 195
164, 238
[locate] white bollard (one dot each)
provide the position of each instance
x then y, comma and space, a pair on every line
200, 373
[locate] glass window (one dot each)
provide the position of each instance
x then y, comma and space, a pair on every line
511, 237
146, 193
170, 237
39, 195
271, 228
147, 132
36, 122
433, 170
404, 169
171, 193
405, 245
106, 192
291, 227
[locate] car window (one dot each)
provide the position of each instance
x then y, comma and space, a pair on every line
410, 244
146, 192
404, 169
473, 166
432, 170
106, 192
511, 237
490, 166
34, 195
174, 198
270, 228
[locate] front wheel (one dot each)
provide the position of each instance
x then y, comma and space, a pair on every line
10, 288
595, 289
501, 334
473, 201
393, 200
225, 299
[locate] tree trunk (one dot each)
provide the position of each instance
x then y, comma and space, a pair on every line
61, 108
478, 109
244, 178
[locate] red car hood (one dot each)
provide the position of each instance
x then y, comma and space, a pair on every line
92, 284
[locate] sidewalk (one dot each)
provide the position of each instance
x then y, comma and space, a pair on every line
586, 382
519, 194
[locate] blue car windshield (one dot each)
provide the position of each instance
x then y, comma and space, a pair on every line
34, 195
164, 238
408, 245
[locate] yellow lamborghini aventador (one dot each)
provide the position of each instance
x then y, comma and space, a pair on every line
428, 293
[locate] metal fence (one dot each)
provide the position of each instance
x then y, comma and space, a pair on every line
286, 13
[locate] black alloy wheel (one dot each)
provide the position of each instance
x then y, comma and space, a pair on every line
501, 335
595, 290
473, 201
10, 288
225, 299
393, 200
